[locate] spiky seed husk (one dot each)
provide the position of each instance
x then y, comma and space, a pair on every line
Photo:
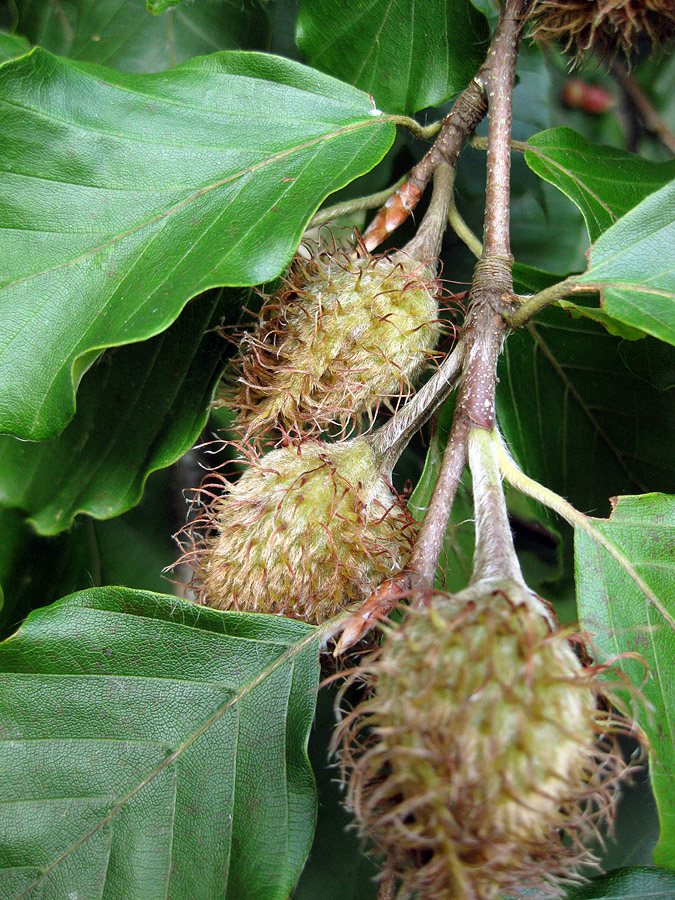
306, 531
473, 764
606, 26
342, 336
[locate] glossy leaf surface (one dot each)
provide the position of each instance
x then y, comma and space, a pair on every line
602, 181
633, 265
123, 34
158, 6
146, 753
408, 54
140, 408
123, 196
623, 621
600, 315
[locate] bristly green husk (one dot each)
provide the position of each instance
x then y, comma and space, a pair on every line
305, 531
341, 337
604, 26
473, 764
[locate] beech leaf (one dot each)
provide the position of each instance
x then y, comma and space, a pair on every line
12, 45
630, 883
409, 54
124, 34
577, 419
159, 6
140, 408
633, 266
123, 196
150, 747
602, 181
623, 620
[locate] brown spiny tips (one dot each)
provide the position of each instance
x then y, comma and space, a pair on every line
476, 765
606, 26
304, 532
341, 337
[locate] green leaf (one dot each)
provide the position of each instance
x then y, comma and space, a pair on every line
14, 538
603, 182
158, 6
546, 231
527, 279
408, 55
577, 419
123, 34
623, 621
633, 266
12, 45
126, 195
140, 408
337, 868
651, 360
634, 883
151, 747
133, 550
598, 314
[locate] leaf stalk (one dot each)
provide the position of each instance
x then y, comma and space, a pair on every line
531, 488
531, 306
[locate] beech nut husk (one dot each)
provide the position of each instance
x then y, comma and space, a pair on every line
306, 531
340, 338
479, 761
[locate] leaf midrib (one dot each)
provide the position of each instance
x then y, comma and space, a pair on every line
177, 752
575, 179
277, 157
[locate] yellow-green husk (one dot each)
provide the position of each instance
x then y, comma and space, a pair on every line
340, 338
304, 532
473, 764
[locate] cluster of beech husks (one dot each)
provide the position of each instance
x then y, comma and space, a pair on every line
313, 526
472, 764
480, 757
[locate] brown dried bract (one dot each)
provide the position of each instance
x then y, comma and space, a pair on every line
605, 26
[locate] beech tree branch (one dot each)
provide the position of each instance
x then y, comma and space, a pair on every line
469, 109
653, 122
426, 553
490, 296
497, 77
